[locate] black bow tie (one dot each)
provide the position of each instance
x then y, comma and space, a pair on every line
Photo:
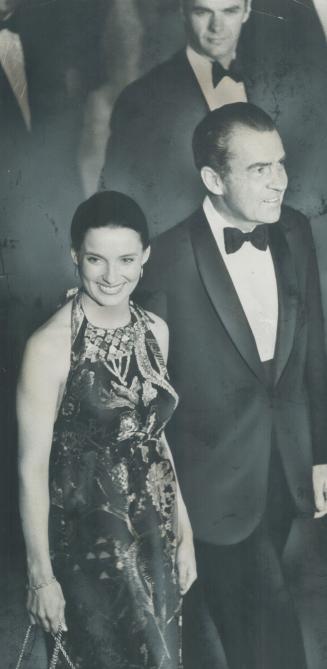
235, 238
219, 72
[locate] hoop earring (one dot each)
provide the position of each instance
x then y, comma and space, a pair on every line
141, 272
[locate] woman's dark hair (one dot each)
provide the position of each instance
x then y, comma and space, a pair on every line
108, 209
212, 135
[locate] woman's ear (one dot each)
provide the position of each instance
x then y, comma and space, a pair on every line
74, 256
146, 255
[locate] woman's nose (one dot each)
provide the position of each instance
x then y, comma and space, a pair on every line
110, 274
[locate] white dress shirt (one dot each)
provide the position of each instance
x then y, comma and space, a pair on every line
253, 275
13, 63
227, 91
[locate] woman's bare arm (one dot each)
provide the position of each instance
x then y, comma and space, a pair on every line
42, 378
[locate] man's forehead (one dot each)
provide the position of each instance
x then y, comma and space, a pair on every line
249, 145
215, 4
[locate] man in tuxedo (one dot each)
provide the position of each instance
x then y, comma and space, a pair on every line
248, 361
232, 54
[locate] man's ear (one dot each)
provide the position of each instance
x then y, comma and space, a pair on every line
248, 9
212, 181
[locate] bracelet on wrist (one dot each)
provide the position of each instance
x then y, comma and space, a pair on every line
39, 586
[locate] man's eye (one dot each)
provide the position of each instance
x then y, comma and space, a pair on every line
199, 12
127, 261
261, 170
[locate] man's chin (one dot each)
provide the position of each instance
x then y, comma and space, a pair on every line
273, 216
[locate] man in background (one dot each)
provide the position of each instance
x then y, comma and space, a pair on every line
231, 55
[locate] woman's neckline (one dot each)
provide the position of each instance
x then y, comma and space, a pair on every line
99, 327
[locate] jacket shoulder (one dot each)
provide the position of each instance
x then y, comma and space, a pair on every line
171, 240
161, 75
169, 251
293, 221
297, 230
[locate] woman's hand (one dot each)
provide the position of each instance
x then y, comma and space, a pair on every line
186, 564
46, 607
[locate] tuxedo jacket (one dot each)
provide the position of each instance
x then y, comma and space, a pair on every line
14, 136
229, 413
149, 154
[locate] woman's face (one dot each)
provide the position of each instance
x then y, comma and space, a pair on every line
110, 261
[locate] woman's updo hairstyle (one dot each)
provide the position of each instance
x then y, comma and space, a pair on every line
108, 209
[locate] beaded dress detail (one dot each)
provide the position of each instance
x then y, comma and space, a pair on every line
113, 518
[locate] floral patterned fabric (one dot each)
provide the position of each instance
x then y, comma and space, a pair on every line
113, 499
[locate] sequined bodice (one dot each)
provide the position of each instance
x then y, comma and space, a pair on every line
117, 379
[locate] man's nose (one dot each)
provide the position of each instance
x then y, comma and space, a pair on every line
278, 178
216, 22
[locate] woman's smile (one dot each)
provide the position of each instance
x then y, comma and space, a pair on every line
111, 290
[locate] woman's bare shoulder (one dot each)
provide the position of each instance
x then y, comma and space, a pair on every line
50, 344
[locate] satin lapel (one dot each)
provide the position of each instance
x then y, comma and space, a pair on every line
183, 75
287, 297
222, 294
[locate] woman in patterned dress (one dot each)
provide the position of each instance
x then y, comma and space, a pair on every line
108, 541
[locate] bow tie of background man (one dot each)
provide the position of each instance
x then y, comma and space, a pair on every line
219, 72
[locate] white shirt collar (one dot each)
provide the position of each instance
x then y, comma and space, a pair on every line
197, 60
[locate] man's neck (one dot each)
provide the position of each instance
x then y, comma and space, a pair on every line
233, 221
224, 61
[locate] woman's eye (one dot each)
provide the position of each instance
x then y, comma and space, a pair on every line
93, 260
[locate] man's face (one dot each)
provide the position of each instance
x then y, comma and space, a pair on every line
213, 26
252, 191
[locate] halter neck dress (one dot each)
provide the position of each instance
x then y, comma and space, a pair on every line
113, 517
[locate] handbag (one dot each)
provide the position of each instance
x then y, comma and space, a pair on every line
58, 648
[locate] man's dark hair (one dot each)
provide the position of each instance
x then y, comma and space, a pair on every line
211, 136
108, 209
